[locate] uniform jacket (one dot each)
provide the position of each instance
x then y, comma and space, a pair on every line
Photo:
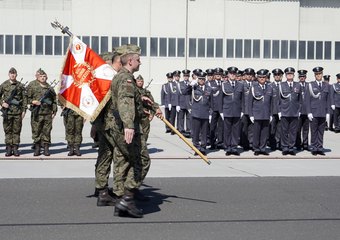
19, 102
335, 94
304, 88
174, 93
260, 101
290, 99
216, 99
165, 94
201, 101
245, 105
232, 98
184, 97
318, 99
276, 96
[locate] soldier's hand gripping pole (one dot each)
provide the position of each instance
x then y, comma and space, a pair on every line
64, 30
184, 139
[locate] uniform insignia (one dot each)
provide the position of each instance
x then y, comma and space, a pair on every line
129, 81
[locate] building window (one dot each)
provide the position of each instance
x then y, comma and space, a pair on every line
18, 44
1, 44
180, 47
57, 45
284, 49
48, 45
104, 44
124, 40
276, 49
192, 47
115, 42
337, 50
302, 49
292, 49
210, 47
39, 45
310, 48
172, 47
256, 48
319, 50
95, 43
328, 50
219, 48
9, 44
238, 48
66, 43
247, 48
27, 44
162, 47
230, 48
142, 45
134, 40
201, 47
86, 40
266, 49
154, 47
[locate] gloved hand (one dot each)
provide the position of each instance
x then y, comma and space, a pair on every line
193, 83
169, 106
178, 108
310, 116
221, 114
299, 114
333, 107
209, 118
328, 119
252, 119
279, 115
270, 119
241, 114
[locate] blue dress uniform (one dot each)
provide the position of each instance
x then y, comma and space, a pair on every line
335, 103
318, 106
330, 121
166, 99
184, 105
289, 106
303, 126
232, 92
201, 99
216, 123
275, 124
260, 106
174, 101
246, 140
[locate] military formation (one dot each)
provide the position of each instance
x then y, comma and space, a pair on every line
225, 109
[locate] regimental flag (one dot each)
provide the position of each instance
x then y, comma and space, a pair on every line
85, 80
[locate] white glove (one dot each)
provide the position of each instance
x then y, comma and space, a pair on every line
221, 114
333, 107
241, 114
299, 114
169, 106
270, 119
327, 118
209, 118
279, 115
252, 119
310, 116
193, 83
178, 108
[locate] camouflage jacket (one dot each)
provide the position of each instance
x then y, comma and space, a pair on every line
18, 103
153, 108
126, 101
35, 91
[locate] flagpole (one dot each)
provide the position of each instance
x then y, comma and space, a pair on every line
64, 30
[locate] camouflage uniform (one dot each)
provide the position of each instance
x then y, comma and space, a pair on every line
12, 123
41, 121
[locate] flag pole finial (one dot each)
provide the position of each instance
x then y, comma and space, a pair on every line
64, 30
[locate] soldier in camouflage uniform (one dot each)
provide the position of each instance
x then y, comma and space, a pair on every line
14, 105
42, 98
74, 124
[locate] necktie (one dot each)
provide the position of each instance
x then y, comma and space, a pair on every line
233, 84
290, 86
263, 87
320, 85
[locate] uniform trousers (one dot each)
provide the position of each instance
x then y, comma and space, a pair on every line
275, 132
183, 116
260, 135
199, 129
173, 114
302, 132
167, 117
12, 128
246, 132
317, 129
216, 129
231, 133
289, 127
337, 119
74, 124
41, 128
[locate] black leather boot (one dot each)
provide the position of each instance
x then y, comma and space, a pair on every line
77, 150
46, 149
105, 199
71, 150
36, 149
127, 204
8, 150
16, 151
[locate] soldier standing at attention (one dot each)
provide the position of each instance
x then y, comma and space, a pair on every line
43, 112
166, 99
14, 105
330, 120
289, 111
260, 106
335, 103
183, 115
318, 107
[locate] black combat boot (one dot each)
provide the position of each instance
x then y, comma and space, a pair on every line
127, 204
71, 150
16, 151
77, 150
8, 150
105, 199
46, 149
36, 149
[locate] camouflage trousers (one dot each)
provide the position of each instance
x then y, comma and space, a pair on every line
144, 152
74, 124
41, 128
12, 128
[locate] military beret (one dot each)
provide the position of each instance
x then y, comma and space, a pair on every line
232, 69
302, 73
218, 71
12, 70
262, 72
249, 71
139, 77
277, 71
106, 56
201, 75
338, 76
239, 72
197, 70
210, 71
186, 72
169, 75
289, 70
326, 78
128, 49
317, 69
177, 72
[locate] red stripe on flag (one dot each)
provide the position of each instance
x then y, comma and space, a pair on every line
72, 95
100, 87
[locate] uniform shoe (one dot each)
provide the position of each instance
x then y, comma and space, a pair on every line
16, 151
8, 150
314, 153
71, 150
321, 153
36, 149
46, 149
77, 150
105, 199
127, 204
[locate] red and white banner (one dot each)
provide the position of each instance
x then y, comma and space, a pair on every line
85, 80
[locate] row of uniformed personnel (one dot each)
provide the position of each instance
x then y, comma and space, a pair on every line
247, 109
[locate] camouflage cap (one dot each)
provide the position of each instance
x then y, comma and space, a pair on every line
106, 56
12, 70
139, 77
128, 49
41, 72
